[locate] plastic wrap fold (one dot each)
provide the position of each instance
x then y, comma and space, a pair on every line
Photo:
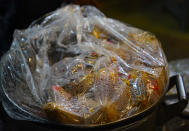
76, 66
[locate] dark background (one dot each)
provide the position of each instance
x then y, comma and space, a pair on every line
167, 19
18, 14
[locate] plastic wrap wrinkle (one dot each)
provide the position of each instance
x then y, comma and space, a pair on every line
76, 66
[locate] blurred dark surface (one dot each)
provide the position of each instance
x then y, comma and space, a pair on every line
167, 19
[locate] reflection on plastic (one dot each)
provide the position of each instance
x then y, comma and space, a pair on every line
77, 66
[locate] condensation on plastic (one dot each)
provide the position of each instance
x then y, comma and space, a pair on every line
77, 66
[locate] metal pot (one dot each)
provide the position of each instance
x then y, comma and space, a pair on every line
149, 119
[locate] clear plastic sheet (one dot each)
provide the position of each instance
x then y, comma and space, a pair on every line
76, 66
